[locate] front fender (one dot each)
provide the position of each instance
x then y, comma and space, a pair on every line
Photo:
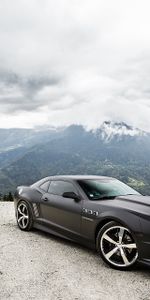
126, 218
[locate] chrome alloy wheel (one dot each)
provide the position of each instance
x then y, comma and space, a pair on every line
118, 246
22, 215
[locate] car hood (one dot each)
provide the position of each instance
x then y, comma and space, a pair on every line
138, 199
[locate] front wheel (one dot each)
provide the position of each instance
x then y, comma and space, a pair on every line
117, 246
24, 216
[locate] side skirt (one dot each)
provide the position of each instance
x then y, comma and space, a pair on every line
67, 236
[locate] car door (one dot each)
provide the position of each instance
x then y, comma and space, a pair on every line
62, 213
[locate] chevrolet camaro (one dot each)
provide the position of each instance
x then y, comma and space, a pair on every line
99, 212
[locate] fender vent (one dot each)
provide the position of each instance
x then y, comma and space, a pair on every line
36, 210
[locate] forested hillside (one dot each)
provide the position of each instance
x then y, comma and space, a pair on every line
114, 149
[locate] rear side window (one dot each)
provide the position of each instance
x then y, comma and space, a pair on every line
60, 187
44, 186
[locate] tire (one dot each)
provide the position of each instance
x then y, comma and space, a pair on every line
117, 247
24, 216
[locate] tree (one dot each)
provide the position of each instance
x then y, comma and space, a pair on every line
8, 197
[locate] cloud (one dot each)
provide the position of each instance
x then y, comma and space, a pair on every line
18, 93
71, 61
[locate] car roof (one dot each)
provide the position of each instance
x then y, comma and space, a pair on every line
79, 177
71, 178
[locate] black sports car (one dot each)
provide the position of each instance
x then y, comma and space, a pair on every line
99, 212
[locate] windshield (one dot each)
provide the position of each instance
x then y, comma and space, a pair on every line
103, 189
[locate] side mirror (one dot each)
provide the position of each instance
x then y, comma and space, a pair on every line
71, 195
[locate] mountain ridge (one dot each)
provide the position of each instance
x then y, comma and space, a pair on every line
78, 151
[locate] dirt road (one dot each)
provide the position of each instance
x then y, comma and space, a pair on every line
35, 265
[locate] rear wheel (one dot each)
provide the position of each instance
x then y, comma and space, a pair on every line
24, 216
117, 246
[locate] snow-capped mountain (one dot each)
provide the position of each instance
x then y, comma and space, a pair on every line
110, 130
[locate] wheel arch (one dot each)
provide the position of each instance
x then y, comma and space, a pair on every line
25, 200
106, 221
27, 194
100, 225
21, 198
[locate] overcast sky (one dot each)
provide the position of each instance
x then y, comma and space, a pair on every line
74, 61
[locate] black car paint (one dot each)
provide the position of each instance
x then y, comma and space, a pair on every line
80, 221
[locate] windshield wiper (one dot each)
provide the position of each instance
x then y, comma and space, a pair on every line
105, 197
129, 194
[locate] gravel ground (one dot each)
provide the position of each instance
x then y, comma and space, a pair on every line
35, 265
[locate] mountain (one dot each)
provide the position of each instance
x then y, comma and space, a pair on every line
16, 142
18, 137
111, 130
113, 149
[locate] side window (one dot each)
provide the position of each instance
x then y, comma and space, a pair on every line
44, 186
60, 187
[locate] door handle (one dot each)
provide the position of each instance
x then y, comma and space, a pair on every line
45, 199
